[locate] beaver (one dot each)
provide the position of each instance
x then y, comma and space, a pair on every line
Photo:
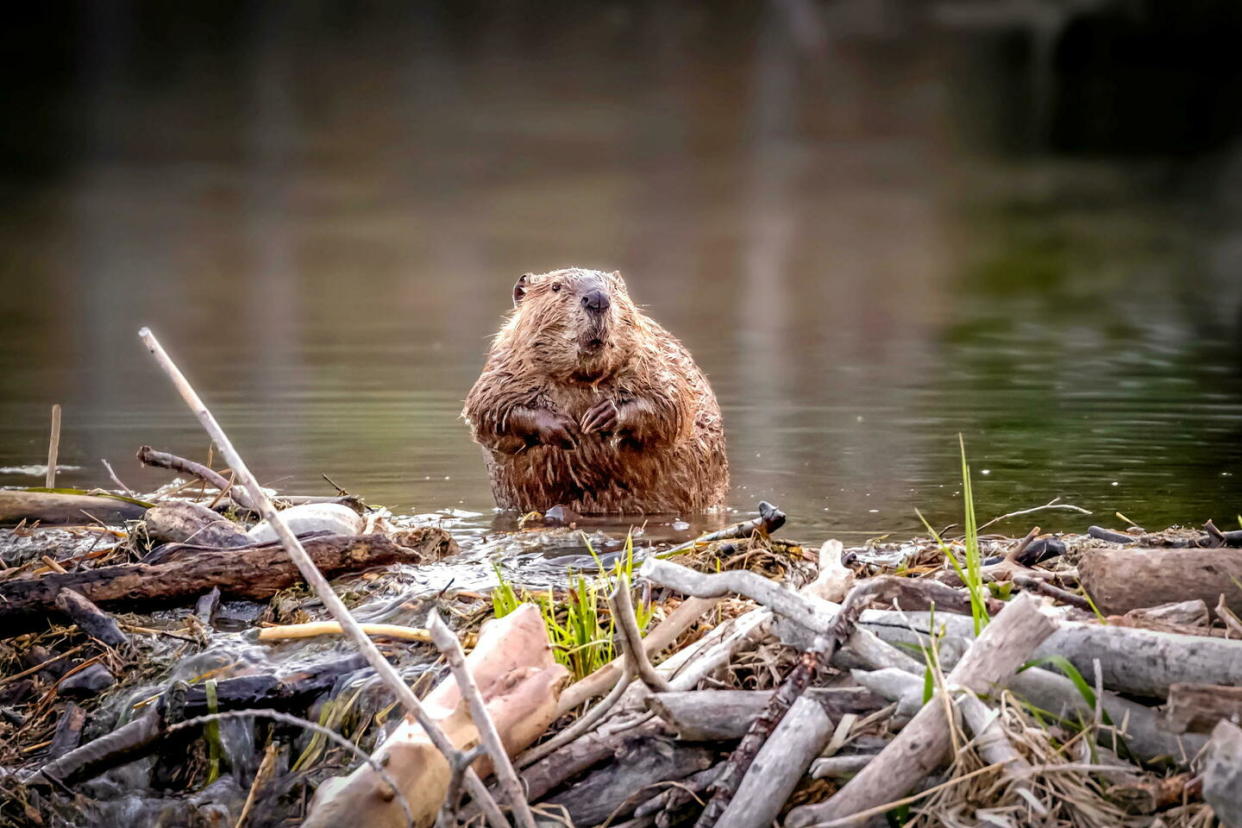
588, 403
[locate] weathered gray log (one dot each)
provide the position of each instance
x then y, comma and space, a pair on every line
181, 521
1222, 774
1120, 580
56, 509
725, 715
779, 765
251, 572
1137, 661
90, 619
1196, 708
923, 745
621, 787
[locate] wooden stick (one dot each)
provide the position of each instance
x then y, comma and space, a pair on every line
335, 606
286, 632
450, 648
148, 456
779, 766
630, 638
53, 447
678, 621
923, 745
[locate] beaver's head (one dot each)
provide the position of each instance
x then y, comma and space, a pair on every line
573, 323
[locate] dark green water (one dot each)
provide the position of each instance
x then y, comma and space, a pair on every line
875, 225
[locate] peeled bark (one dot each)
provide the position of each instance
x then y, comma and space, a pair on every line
520, 682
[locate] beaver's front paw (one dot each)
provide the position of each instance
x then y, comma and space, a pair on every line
552, 429
603, 416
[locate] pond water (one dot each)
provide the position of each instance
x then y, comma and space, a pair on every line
876, 226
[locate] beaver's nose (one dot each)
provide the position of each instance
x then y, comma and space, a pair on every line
596, 301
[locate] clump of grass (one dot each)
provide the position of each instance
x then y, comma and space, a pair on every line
972, 573
579, 625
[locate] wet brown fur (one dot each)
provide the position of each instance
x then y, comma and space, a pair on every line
666, 454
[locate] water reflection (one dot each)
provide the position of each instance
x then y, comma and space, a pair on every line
876, 224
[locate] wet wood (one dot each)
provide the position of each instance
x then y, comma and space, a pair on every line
90, 619
56, 509
185, 522
256, 573
1120, 580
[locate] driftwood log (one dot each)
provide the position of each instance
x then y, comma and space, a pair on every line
184, 522
256, 573
1120, 580
519, 681
725, 715
923, 745
57, 509
1137, 661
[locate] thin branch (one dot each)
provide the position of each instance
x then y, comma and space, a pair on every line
630, 638
336, 608
1055, 503
53, 447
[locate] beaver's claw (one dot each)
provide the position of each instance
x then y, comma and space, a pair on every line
603, 416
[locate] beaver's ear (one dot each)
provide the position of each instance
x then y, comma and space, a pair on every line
519, 289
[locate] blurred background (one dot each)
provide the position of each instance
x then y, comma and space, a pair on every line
876, 223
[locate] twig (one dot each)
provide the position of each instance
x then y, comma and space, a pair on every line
31, 670
1045, 588
116, 479
163, 460
446, 642
260, 779
1016, 553
386, 672
1055, 503
770, 519
630, 638
53, 447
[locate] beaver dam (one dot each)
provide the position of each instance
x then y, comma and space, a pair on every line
178, 658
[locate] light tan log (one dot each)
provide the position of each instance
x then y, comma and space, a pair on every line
519, 680
923, 745
314, 629
1120, 580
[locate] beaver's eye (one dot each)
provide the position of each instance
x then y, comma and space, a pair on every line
556, 287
